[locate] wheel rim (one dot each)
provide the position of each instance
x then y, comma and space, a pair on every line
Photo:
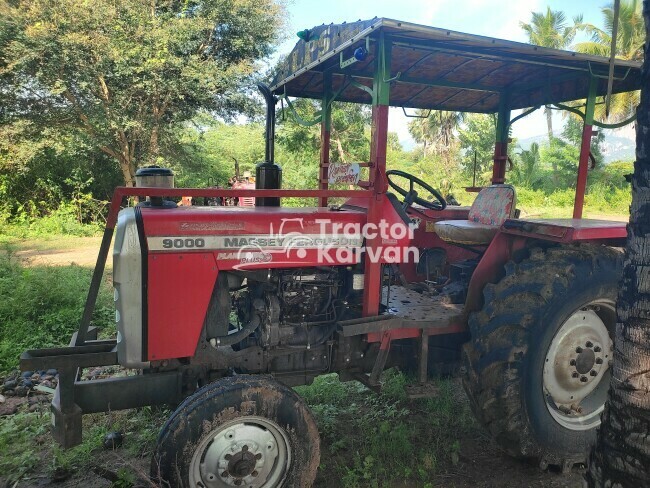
251, 452
576, 368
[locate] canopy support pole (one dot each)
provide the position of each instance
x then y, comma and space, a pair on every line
501, 143
377, 173
325, 129
585, 149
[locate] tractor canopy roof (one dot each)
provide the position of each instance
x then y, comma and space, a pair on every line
439, 69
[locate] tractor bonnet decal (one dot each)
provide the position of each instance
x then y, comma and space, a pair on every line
265, 241
336, 243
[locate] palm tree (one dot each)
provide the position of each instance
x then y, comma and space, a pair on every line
419, 130
629, 45
550, 29
527, 165
622, 455
436, 132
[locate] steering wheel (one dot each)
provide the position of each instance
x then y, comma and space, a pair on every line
411, 196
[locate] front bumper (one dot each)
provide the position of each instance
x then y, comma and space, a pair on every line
74, 397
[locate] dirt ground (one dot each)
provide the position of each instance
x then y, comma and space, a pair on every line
81, 251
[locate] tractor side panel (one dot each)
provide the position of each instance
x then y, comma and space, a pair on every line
490, 268
179, 290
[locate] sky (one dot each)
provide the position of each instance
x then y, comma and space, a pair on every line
493, 18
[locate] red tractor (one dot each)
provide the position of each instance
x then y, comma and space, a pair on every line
271, 297
236, 182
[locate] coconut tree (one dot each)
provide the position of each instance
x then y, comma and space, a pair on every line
436, 130
550, 29
629, 45
621, 457
629, 38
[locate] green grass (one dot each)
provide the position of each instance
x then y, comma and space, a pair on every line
371, 440
41, 306
28, 449
600, 202
21, 442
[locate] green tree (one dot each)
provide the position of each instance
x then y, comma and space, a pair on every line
299, 144
436, 131
629, 45
563, 157
629, 38
621, 457
572, 132
41, 171
550, 29
127, 73
209, 148
477, 144
349, 141
526, 168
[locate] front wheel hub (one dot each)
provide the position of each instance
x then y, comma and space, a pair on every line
251, 451
574, 369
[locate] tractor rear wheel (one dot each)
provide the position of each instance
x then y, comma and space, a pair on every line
537, 366
247, 431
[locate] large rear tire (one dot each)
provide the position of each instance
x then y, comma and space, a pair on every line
247, 431
537, 366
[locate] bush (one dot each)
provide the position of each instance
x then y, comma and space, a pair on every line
602, 195
61, 221
527, 197
605, 199
42, 306
613, 175
561, 198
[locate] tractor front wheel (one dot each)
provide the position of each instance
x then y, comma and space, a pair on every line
537, 367
246, 431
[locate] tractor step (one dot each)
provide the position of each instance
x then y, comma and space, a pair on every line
418, 309
407, 309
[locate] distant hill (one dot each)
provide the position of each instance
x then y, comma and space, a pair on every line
615, 147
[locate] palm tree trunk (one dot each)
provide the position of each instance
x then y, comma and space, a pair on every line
549, 128
549, 122
621, 457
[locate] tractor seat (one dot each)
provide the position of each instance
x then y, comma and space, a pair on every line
492, 206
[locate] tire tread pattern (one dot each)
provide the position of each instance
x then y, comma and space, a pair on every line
175, 435
501, 336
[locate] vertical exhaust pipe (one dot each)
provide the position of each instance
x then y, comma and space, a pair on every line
268, 175
269, 136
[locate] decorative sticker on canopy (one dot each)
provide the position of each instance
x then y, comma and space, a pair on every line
317, 42
344, 173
